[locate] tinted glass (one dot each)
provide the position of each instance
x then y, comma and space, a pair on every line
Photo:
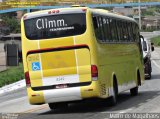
55, 26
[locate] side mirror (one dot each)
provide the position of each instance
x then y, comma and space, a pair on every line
152, 46
141, 37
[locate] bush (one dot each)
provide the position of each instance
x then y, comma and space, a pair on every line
11, 75
156, 40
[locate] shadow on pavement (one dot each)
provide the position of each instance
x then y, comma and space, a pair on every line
155, 76
125, 101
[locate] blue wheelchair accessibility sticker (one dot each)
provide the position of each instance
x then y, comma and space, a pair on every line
36, 66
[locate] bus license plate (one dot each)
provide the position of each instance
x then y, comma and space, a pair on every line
61, 86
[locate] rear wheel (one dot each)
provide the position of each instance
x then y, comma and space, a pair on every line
113, 99
149, 75
150, 70
134, 91
58, 105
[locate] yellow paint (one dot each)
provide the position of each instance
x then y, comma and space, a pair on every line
61, 62
109, 58
88, 94
36, 99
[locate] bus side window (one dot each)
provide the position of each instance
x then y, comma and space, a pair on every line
98, 28
95, 22
120, 31
99, 34
135, 32
109, 36
102, 29
130, 32
125, 32
95, 25
116, 31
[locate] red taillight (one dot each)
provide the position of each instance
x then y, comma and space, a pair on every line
27, 78
94, 72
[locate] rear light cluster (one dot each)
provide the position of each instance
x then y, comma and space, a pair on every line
94, 72
27, 78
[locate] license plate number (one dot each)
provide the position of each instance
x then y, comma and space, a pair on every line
61, 86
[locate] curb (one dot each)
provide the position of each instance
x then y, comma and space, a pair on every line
13, 86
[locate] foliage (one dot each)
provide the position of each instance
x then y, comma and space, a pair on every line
12, 74
156, 41
151, 11
12, 23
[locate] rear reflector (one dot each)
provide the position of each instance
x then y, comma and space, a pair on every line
27, 78
94, 72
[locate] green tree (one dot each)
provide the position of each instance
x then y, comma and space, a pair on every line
12, 23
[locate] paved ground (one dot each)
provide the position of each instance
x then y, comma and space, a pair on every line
12, 87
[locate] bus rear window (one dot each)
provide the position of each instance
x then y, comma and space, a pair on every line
55, 26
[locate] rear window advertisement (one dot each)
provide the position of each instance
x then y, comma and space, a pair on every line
55, 26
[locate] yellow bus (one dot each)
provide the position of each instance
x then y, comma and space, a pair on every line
72, 54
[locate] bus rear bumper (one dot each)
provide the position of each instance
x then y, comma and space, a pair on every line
64, 94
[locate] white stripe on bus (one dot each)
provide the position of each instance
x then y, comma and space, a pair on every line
40, 59
76, 55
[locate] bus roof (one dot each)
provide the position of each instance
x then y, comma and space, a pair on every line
55, 12
112, 14
77, 10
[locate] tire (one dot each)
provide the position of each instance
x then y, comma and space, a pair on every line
149, 76
134, 91
113, 98
58, 106
149, 71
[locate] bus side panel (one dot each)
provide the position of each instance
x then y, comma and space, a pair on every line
121, 60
